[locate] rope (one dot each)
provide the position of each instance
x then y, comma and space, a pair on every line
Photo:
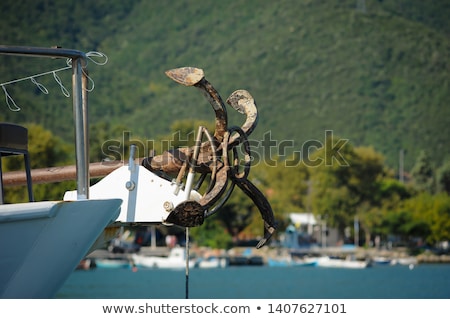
187, 263
10, 99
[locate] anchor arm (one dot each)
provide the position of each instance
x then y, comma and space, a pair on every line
190, 76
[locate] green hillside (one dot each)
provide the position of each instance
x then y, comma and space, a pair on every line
374, 72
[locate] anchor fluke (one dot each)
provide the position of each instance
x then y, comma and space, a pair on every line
187, 214
187, 76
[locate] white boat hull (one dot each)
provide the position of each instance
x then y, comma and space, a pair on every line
215, 262
341, 263
288, 262
41, 243
176, 260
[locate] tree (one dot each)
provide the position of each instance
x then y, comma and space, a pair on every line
392, 193
212, 234
443, 178
423, 218
331, 194
286, 187
343, 191
430, 216
106, 142
237, 214
367, 174
423, 173
439, 221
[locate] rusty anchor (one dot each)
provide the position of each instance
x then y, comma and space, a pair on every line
214, 155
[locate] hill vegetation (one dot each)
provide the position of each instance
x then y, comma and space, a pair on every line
374, 73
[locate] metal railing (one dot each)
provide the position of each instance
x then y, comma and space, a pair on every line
80, 104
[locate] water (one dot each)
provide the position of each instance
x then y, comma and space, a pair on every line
424, 281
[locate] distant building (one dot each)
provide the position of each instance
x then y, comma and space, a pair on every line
306, 231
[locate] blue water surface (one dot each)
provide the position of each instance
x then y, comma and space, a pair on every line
424, 281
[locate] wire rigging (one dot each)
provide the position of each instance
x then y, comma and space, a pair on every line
97, 58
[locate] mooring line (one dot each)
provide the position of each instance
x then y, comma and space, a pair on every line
187, 263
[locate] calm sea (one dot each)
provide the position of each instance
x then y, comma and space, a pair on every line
262, 282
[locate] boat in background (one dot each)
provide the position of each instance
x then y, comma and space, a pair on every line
405, 261
175, 260
292, 262
382, 261
278, 262
113, 263
326, 261
212, 262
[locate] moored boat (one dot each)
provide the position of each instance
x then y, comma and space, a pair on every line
212, 262
326, 261
382, 261
292, 262
112, 263
405, 261
175, 260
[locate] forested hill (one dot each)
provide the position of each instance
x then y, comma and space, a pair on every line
374, 72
